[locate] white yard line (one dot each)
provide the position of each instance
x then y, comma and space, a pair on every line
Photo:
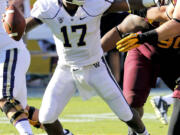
88, 117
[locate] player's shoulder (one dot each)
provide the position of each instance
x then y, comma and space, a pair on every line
45, 8
45, 5
96, 7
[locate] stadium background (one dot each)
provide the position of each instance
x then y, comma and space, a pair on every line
39, 64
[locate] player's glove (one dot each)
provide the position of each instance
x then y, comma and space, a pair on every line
134, 40
128, 43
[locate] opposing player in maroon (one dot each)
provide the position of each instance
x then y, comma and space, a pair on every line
144, 64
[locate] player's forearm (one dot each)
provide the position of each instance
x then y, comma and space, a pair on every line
109, 40
31, 23
163, 32
132, 23
171, 27
168, 30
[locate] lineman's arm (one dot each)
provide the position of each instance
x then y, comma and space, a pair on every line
132, 23
165, 31
171, 27
151, 36
31, 23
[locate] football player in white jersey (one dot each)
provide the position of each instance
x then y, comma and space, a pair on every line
76, 30
14, 63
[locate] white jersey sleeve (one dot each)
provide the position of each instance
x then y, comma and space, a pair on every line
40, 9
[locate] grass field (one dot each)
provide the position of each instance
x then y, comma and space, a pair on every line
92, 117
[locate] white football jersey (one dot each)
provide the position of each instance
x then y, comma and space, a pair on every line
77, 37
6, 41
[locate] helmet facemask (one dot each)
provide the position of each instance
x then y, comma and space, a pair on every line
76, 2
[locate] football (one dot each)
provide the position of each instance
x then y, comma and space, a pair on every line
14, 22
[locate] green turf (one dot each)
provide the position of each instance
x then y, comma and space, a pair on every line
94, 124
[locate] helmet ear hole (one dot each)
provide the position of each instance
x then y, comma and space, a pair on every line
76, 2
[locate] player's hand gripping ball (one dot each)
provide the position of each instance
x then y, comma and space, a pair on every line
129, 42
14, 22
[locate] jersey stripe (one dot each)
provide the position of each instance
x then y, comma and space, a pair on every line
13, 71
8, 72
5, 72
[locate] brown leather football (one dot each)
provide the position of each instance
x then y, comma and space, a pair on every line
14, 22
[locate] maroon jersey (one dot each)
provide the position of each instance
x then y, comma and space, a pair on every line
162, 50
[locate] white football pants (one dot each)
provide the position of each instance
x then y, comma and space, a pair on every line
14, 64
95, 78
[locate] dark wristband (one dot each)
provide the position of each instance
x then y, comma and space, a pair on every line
118, 32
150, 37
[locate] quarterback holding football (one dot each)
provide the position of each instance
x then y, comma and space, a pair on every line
75, 25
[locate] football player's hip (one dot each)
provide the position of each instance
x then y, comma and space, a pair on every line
14, 65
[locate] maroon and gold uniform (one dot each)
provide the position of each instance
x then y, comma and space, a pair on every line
144, 64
